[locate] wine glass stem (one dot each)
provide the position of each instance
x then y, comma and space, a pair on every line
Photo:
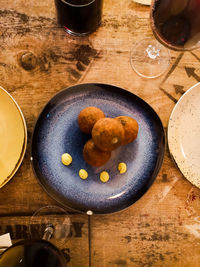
152, 52
48, 232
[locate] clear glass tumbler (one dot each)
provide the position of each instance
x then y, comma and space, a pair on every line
79, 17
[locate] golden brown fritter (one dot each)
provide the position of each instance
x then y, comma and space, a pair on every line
88, 117
93, 155
131, 128
108, 134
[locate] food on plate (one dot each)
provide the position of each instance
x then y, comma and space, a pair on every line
130, 126
83, 174
88, 117
104, 176
93, 155
122, 167
66, 159
108, 134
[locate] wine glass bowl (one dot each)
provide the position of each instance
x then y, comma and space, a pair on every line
176, 23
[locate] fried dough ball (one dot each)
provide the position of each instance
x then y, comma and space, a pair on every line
130, 126
93, 155
88, 117
108, 134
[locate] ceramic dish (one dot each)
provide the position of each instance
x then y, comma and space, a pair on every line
13, 137
56, 132
184, 133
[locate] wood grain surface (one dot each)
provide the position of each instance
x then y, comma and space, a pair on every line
37, 60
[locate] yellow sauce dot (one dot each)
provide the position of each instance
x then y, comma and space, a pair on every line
122, 167
104, 176
66, 159
83, 174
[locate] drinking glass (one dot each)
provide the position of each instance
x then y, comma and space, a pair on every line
175, 25
79, 17
40, 250
32, 253
54, 222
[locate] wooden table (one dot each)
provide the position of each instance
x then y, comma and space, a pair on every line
163, 227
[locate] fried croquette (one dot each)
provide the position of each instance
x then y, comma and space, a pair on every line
130, 126
108, 134
93, 155
88, 117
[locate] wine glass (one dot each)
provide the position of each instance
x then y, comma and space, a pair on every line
32, 253
54, 223
175, 25
49, 228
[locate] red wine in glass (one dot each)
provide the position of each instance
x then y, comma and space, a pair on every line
32, 253
176, 23
79, 17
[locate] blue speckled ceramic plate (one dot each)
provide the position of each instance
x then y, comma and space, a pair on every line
56, 132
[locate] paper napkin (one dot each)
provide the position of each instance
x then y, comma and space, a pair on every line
143, 2
5, 242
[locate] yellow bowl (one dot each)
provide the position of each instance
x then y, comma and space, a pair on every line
13, 137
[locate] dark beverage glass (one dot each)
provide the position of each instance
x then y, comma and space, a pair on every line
32, 253
79, 17
176, 23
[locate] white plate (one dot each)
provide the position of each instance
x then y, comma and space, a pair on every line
184, 134
143, 2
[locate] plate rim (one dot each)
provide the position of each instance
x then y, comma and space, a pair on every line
23, 150
144, 4
158, 165
177, 164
